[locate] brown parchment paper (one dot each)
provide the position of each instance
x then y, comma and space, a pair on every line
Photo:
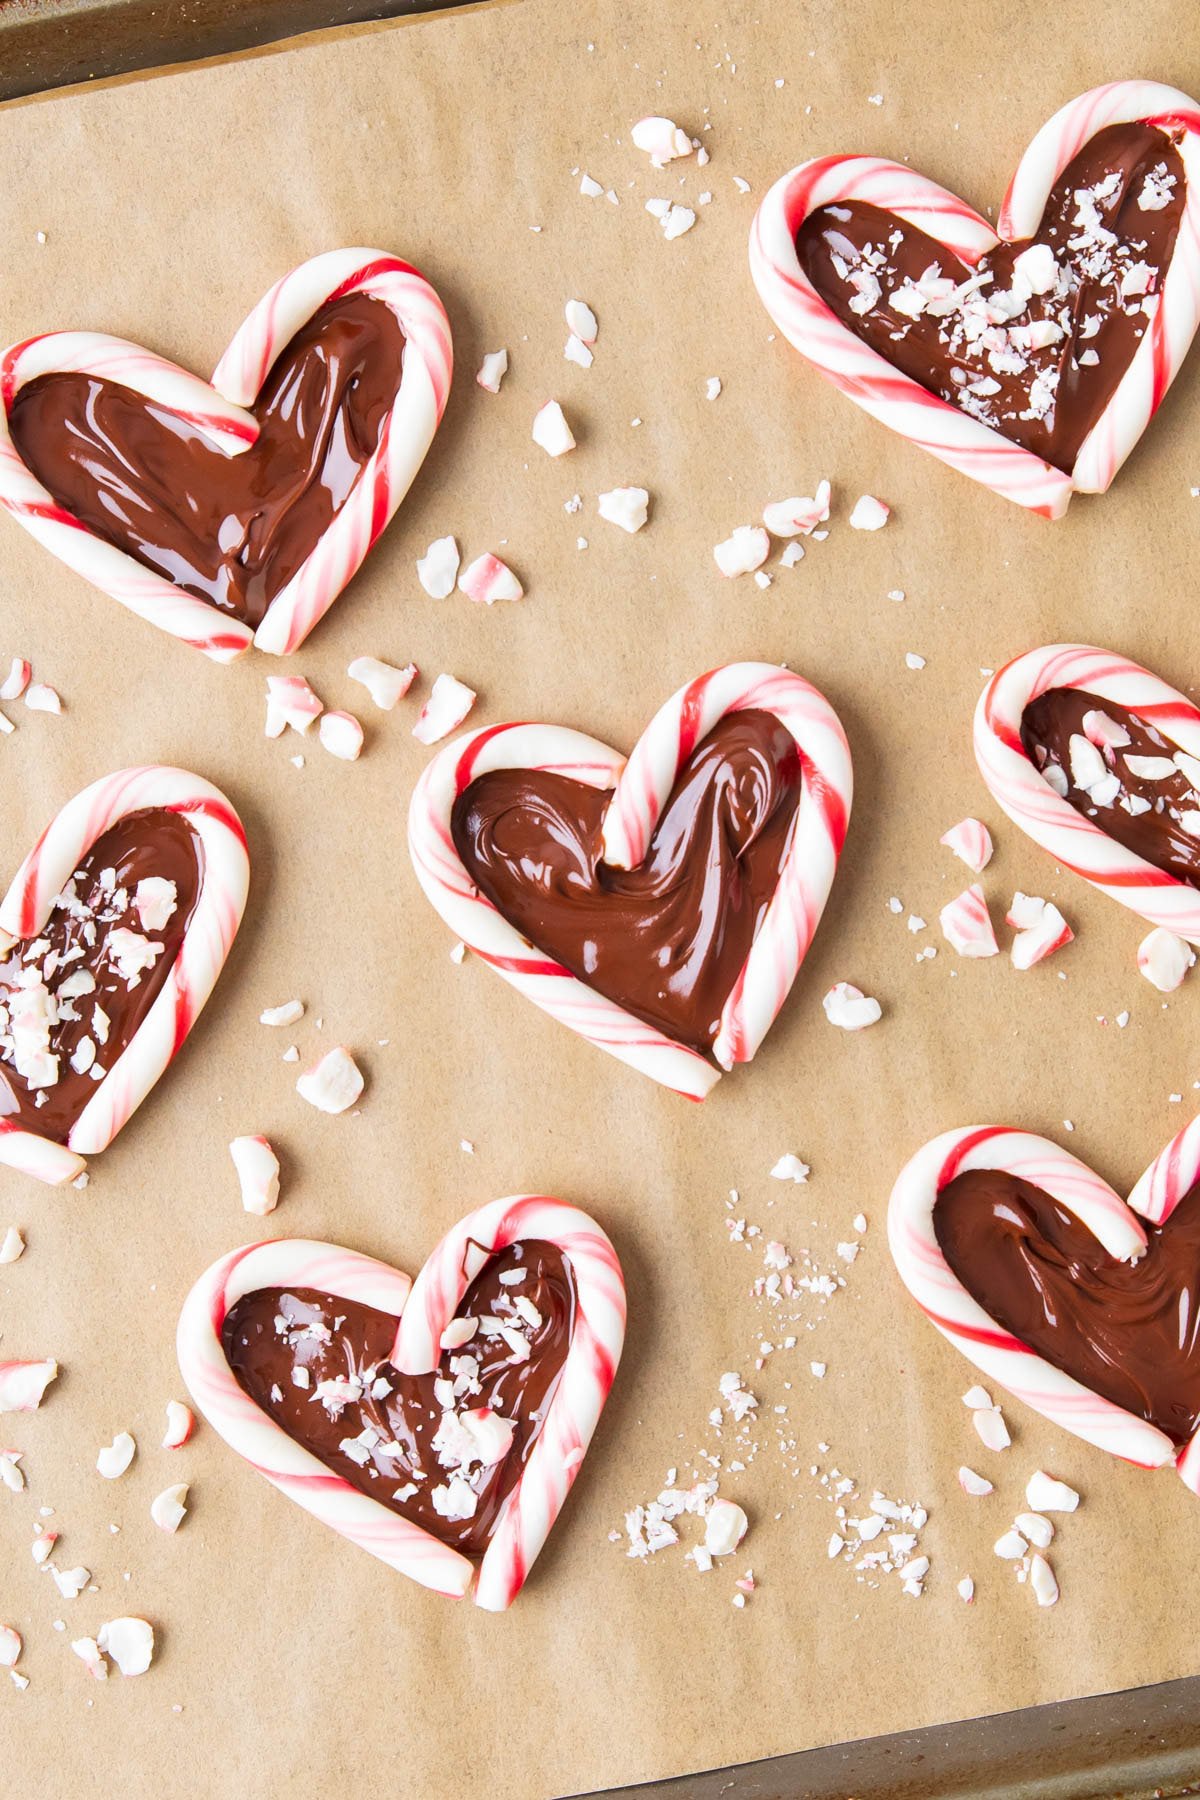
288, 1662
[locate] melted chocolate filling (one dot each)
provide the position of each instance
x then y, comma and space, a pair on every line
230, 529
666, 940
1110, 223
93, 1028
392, 1423
1128, 1331
1151, 807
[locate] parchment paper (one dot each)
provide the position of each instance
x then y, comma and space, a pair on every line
288, 1662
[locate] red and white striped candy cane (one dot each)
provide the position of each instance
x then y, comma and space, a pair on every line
533, 1504
1115, 1224
641, 787
221, 896
901, 403
218, 411
1030, 801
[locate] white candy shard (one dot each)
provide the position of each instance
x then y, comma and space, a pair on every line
1041, 1580
971, 842
23, 1384
13, 1245
342, 735
973, 1484
437, 570
116, 1457
977, 1398
10, 1471
287, 1014
797, 517
492, 1436
290, 701
849, 1008
10, 1646
967, 925
661, 139
790, 1168
1011, 1546
676, 221
130, 1643
1045, 1494
449, 702
167, 1509
88, 1651
258, 1173
576, 351
487, 580
1036, 1528
581, 322
154, 902
1037, 268
493, 369
1040, 927
869, 514
550, 430
69, 1582
383, 681
1164, 959
724, 1527
16, 681
989, 1424
40, 698
180, 1425
457, 1333
625, 507
333, 1084
966, 1589
745, 550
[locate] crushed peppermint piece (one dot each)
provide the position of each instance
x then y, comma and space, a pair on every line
341, 734
869, 514
967, 925
40, 698
626, 507
180, 1425
971, 842
487, 580
551, 431
1164, 959
849, 1008
798, 517
154, 901
790, 1168
287, 1014
712, 387
1041, 1580
661, 139
116, 1457
990, 1426
1045, 1494
16, 681
257, 1169
494, 366
130, 1643
290, 703
1038, 1530
88, 1651
13, 1245
745, 550
333, 1084
23, 1384
973, 1484
449, 702
724, 1528
437, 570
1040, 930
581, 321
167, 1509
383, 681
966, 1589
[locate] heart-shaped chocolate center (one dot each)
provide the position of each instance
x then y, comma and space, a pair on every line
1034, 340
232, 530
1128, 1331
1120, 772
72, 998
668, 939
443, 1450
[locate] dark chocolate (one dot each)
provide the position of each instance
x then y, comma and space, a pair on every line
665, 940
391, 1420
1128, 1331
99, 900
232, 530
1043, 397
1156, 817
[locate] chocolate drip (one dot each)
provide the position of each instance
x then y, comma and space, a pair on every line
1157, 817
1128, 1331
1115, 208
100, 901
272, 1333
230, 529
666, 940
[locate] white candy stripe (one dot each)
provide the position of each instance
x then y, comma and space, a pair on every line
881, 390
24, 910
587, 1373
641, 788
1051, 821
218, 410
959, 1317
578, 1398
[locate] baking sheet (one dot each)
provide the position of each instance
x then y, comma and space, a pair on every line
297, 1664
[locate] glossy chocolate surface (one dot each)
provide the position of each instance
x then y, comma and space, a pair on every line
393, 1423
1111, 221
88, 1031
1152, 807
232, 530
1128, 1331
666, 940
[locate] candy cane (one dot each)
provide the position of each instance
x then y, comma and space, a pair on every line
221, 896
640, 790
970, 1328
219, 412
578, 1398
1030, 801
901, 403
